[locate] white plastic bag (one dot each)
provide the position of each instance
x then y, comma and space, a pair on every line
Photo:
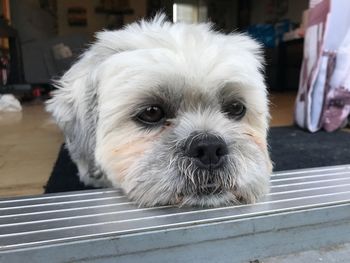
8, 103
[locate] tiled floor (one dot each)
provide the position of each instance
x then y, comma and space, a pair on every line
29, 143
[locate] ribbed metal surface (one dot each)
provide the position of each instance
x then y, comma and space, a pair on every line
58, 218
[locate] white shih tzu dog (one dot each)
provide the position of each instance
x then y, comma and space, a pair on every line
171, 113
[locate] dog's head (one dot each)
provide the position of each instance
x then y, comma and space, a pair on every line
171, 113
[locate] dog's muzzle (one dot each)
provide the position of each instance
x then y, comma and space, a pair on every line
208, 152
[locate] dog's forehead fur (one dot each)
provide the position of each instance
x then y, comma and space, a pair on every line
162, 52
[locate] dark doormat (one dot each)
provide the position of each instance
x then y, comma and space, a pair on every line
290, 148
293, 148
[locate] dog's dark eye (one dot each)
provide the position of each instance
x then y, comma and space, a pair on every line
151, 115
235, 110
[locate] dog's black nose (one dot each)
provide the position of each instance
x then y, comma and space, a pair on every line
208, 150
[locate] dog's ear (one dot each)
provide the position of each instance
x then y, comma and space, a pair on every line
74, 106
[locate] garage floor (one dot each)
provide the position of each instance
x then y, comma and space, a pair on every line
30, 140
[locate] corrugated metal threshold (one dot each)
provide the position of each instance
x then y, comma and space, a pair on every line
36, 221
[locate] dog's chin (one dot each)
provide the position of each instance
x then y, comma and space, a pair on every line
224, 198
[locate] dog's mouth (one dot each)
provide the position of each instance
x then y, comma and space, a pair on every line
209, 188
209, 196
205, 187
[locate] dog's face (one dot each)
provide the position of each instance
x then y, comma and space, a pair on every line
172, 114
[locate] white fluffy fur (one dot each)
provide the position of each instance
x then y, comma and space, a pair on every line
97, 96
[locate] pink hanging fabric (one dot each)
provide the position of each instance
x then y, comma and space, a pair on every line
323, 99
